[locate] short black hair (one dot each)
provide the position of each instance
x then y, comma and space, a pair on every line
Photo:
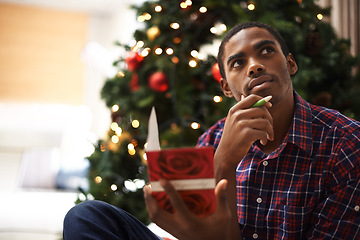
237, 28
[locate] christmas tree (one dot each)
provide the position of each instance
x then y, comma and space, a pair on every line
169, 68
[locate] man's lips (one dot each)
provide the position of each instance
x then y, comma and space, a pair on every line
259, 80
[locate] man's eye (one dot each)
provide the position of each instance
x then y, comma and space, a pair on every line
237, 63
267, 50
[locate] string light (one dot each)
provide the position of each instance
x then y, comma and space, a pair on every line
118, 131
188, 2
147, 16
175, 25
217, 99
194, 53
192, 63
145, 52
251, 7
120, 74
175, 60
158, 8
115, 139
130, 146
320, 16
132, 152
195, 125
113, 187
144, 17
169, 51
115, 108
135, 123
141, 18
203, 9
98, 179
177, 40
223, 27
183, 5
158, 51
140, 44
114, 126
213, 30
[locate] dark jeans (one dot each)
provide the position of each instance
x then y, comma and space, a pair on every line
100, 220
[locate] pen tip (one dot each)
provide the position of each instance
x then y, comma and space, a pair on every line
268, 98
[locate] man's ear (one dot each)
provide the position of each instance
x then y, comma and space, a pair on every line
292, 66
225, 88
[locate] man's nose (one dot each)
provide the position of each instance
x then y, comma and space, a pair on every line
255, 68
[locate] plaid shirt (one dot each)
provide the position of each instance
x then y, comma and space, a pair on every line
309, 187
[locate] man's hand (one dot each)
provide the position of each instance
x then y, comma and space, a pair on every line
243, 126
185, 225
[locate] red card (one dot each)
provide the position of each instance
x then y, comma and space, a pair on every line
191, 171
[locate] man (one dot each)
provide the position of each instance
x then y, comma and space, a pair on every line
286, 170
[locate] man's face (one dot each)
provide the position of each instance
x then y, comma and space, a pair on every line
255, 64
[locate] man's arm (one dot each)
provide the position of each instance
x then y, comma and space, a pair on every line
243, 126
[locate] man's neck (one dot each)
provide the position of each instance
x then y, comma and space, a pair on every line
283, 114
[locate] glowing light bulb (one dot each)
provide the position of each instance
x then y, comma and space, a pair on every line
98, 179
175, 25
217, 99
114, 126
213, 30
158, 51
147, 16
194, 53
145, 52
223, 27
140, 44
115, 108
195, 125
141, 18
135, 123
251, 7
130, 146
115, 139
113, 187
158, 8
120, 74
183, 5
118, 131
203, 9
169, 51
192, 63
320, 16
132, 152
175, 60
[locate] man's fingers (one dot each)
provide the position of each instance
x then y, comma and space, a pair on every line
175, 199
221, 198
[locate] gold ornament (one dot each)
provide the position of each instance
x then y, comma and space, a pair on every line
153, 32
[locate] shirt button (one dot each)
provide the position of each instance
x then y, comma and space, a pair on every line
265, 163
357, 208
259, 200
255, 236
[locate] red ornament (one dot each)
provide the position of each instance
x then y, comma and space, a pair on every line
158, 81
216, 72
134, 82
133, 60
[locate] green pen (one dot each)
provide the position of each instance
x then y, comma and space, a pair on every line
262, 101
